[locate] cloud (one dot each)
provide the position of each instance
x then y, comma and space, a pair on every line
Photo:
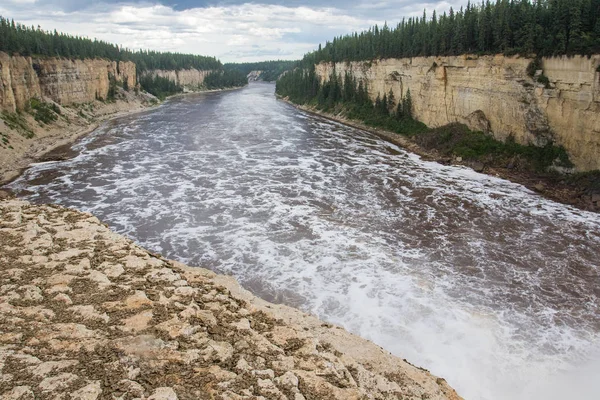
230, 30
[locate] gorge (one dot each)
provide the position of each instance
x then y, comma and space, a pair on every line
495, 94
438, 264
174, 228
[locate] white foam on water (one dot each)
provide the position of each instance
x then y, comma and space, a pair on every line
475, 278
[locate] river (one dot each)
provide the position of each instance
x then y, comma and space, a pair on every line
477, 279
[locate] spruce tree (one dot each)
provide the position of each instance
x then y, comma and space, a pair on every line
407, 105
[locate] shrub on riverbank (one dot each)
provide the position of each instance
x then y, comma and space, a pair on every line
159, 86
43, 112
17, 122
225, 79
458, 140
589, 180
345, 95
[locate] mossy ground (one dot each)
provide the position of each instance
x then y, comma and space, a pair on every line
17, 122
457, 140
44, 113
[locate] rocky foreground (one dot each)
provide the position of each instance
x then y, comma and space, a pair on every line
87, 314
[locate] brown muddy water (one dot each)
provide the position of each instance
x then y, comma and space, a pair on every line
477, 279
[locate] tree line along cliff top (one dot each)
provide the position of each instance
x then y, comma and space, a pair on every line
19, 39
528, 27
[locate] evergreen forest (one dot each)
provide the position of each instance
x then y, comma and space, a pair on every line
527, 27
532, 28
271, 70
159, 86
225, 79
19, 39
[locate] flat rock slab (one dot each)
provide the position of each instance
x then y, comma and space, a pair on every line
87, 314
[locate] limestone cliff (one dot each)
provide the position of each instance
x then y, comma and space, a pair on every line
254, 76
190, 79
61, 80
494, 94
87, 314
70, 90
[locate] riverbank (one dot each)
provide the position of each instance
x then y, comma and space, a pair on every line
27, 140
36, 142
85, 311
190, 92
582, 192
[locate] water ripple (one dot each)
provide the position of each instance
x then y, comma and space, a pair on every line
477, 279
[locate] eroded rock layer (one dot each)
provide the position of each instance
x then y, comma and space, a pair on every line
61, 80
191, 79
495, 94
87, 314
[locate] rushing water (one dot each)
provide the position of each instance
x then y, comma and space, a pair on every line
475, 278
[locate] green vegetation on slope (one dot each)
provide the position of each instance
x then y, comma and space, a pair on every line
542, 27
345, 95
225, 79
43, 112
457, 140
271, 70
159, 86
17, 122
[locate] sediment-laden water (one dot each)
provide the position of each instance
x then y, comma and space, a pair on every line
475, 278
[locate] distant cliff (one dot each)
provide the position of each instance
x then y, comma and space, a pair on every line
61, 80
68, 82
254, 76
495, 94
189, 79
46, 103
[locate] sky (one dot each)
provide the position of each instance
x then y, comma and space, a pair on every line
231, 30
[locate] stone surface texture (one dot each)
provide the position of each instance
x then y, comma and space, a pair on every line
494, 94
61, 80
77, 88
87, 314
191, 79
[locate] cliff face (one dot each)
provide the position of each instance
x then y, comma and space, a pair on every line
61, 80
494, 94
18, 82
254, 76
186, 78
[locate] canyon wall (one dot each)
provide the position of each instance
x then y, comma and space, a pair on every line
254, 76
62, 80
186, 78
494, 94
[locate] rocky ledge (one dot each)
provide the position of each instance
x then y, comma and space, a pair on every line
87, 314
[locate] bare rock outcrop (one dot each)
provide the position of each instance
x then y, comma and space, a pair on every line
189, 79
495, 94
87, 314
61, 80
73, 92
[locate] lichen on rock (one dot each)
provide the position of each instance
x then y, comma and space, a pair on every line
72, 327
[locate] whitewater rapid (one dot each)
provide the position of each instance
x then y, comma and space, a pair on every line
477, 279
